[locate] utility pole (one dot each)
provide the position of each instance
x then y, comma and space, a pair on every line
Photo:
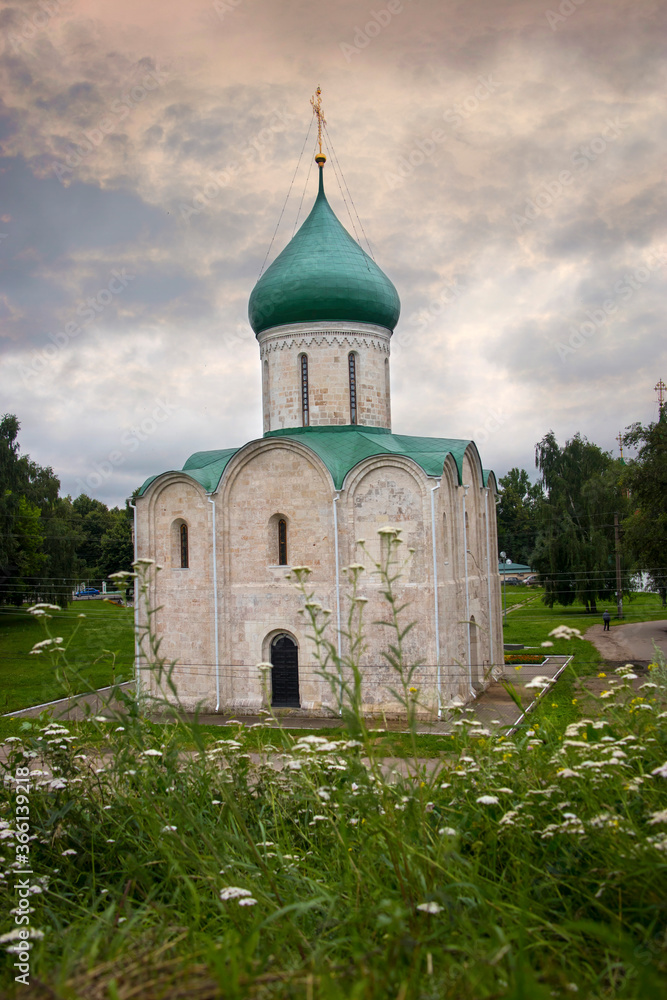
503, 556
619, 591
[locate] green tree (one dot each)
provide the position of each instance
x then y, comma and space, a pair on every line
38, 539
645, 477
117, 544
575, 549
96, 521
517, 515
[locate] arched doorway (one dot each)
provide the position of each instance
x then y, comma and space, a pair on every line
284, 673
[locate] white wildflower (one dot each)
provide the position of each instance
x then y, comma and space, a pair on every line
538, 682
508, 818
430, 907
488, 800
233, 892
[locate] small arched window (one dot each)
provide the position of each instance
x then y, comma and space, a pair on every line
185, 555
282, 542
266, 400
305, 412
387, 391
352, 366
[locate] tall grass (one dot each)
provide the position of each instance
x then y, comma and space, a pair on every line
524, 867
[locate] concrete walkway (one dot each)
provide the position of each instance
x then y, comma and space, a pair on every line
633, 641
494, 707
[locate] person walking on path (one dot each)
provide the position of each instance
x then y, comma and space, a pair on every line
606, 618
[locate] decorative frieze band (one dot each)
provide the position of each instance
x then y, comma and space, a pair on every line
332, 338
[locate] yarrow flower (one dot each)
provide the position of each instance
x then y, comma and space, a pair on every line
538, 682
233, 892
565, 632
430, 907
488, 800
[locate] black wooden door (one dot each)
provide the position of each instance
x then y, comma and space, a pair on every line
285, 673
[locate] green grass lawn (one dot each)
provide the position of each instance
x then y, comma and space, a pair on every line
259, 740
517, 594
521, 868
524, 868
531, 625
27, 680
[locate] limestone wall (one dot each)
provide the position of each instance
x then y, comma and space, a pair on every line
181, 597
280, 479
327, 347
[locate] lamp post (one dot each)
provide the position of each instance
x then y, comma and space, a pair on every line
503, 556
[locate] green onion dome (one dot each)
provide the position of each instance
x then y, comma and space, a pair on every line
323, 274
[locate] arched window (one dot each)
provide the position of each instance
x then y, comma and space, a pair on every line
185, 555
387, 392
266, 400
305, 413
352, 365
282, 542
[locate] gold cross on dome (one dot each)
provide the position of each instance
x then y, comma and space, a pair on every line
316, 102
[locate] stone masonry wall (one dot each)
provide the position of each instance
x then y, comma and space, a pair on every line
278, 479
327, 347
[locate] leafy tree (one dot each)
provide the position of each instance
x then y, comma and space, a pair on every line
517, 515
575, 550
38, 542
645, 527
96, 521
117, 544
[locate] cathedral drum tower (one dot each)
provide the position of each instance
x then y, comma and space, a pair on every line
328, 471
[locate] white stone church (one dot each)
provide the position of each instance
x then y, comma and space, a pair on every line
328, 471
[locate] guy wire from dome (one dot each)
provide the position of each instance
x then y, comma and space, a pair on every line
323, 274
335, 163
303, 193
275, 231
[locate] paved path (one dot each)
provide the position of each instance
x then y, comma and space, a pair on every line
633, 641
494, 707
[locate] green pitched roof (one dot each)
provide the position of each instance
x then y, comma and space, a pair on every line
343, 447
205, 467
323, 274
340, 448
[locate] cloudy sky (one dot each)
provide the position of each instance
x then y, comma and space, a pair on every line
506, 159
